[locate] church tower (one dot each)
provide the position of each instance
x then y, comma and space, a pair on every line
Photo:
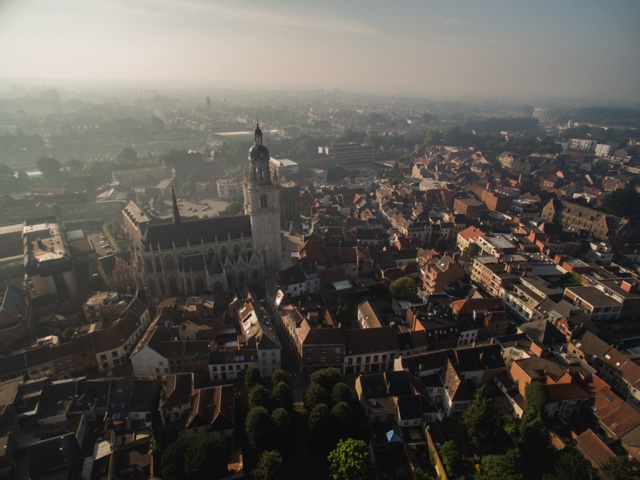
262, 204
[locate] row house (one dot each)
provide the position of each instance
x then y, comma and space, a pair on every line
615, 417
175, 396
491, 275
391, 397
565, 393
228, 364
116, 270
158, 353
594, 302
525, 295
441, 272
369, 350
448, 374
315, 338
441, 332
99, 349
488, 314
212, 411
614, 367
259, 333
468, 236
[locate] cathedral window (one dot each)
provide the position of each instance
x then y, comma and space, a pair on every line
263, 201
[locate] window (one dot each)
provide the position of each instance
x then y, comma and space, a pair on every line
323, 350
338, 349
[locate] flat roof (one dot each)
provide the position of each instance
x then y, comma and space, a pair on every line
593, 296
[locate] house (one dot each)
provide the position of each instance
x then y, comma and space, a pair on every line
227, 364
479, 364
593, 448
175, 397
565, 393
441, 272
212, 411
390, 397
369, 350
367, 316
259, 333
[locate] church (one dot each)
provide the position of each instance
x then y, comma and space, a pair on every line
217, 254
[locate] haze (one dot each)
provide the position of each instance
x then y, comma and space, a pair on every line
588, 49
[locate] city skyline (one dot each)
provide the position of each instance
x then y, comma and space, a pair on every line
569, 49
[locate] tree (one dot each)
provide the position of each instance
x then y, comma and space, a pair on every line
469, 253
270, 466
283, 429
341, 393
173, 461
282, 396
280, 375
403, 288
616, 468
252, 377
6, 172
50, 167
129, 155
315, 395
259, 396
571, 464
504, 467
482, 422
622, 203
441, 244
451, 458
327, 379
341, 420
432, 137
350, 460
234, 208
320, 424
207, 457
259, 428
75, 166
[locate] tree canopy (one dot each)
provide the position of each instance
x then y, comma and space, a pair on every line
206, 458
259, 428
469, 253
48, 166
403, 288
483, 422
622, 203
350, 460
451, 458
270, 466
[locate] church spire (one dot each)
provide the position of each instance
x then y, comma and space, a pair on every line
257, 135
176, 211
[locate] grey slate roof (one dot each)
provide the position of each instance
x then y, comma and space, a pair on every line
207, 230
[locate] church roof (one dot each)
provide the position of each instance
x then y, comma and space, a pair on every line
207, 230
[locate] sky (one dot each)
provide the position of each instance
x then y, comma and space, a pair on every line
509, 48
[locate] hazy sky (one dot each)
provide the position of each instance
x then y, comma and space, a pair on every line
582, 48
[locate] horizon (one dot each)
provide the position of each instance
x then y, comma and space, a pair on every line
574, 50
